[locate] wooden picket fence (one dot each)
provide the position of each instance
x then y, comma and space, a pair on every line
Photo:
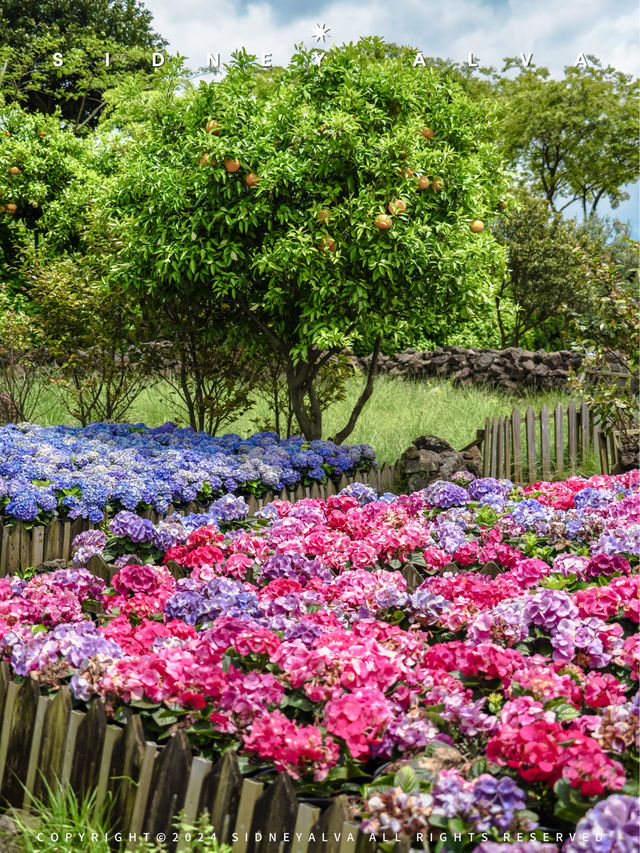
22, 546
43, 742
531, 447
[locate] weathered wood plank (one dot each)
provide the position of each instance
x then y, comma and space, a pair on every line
54, 739
66, 541
530, 438
499, 449
97, 566
13, 553
143, 790
251, 791
486, 449
37, 546
7, 719
220, 795
34, 749
52, 540
26, 550
19, 742
572, 419
327, 830
349, 837
87, 756
75, 721
506, 429
585, 431
124, 772
168, 785
305, 819
112, 737
275, 810
4, 551
545, 449
558, 433
200, 768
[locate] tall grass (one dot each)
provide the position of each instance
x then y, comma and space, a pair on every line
398, 412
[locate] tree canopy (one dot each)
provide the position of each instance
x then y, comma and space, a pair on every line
82, 31
303, 211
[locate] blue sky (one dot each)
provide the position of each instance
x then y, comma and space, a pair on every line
491, 29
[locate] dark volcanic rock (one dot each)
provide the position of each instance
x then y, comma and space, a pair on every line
430, 458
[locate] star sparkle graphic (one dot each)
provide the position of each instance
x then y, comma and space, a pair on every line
320, 32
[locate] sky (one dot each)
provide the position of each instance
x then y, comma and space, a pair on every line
555, 32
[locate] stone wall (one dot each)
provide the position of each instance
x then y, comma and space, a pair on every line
510, 368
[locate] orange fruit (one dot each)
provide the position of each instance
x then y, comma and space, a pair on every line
427, 133
213, 127
12, 207
503, 205
251, 180
204, 159
14, 170
327, 243
476, 226
382, 221
397, 206
423, 183
437, 184
405, 173
231, 165
323, 215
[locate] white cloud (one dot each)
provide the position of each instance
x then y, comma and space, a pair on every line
556, 32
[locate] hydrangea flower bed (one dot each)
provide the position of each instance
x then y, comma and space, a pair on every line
496, 704
82, 472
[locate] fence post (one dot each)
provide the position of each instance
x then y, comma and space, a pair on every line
573, 436
558, 418
516, 439
530, 436
486, 449
544, 443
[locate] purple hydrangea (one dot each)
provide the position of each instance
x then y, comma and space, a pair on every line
86, 544
484, 802
426, 607
445, 495
203, 601
489, 485
515, 847
572, 635
130, 526
547, 608
611, 826
294, 565
75, 642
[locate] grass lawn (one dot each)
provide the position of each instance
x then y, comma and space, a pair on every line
398, 412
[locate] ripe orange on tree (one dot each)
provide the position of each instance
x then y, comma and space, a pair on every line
382, 221
397, 206
231, 165
252, 180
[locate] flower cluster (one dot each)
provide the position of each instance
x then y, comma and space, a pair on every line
297, 638
74, 472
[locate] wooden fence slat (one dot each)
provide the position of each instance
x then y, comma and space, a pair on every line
558, 432
493, 469
126, 763
168, 785
75, 721
572, 419
26, 550
221, 795
34, 748
200, 768
249, 794
486, 450
68, 536
349, 837
585, 432
545, 449
7, 719
87, 756
20, 735
54, 740
604, 455
613, 455
13, 554
326, 831
143, 790
506, 428
37, 546
276, 809
530, 438
500, 449
112, 737
305, 819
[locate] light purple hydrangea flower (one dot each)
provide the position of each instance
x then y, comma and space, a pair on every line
611, 826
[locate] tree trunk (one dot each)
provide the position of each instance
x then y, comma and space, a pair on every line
362, 399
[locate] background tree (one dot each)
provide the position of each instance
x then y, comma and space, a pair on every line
281, 210
574, 139
549, 266
82, 31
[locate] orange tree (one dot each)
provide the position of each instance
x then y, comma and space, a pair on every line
314, 214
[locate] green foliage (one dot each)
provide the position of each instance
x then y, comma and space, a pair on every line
574, 139
338, 137
83, 31
199, 838
23, 367
548, 268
